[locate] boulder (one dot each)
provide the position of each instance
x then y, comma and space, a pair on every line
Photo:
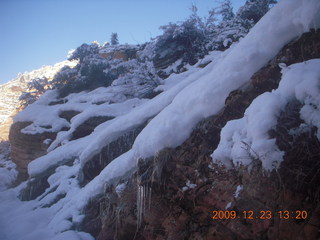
27, 147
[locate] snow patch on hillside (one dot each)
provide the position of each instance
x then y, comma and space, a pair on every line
206, 96
246, 139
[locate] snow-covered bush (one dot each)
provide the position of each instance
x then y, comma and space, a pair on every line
84, 50
65, 80
35, 89
226, 10
182, 40
254, 10
137, 78
98, 68
193, 38
235, 26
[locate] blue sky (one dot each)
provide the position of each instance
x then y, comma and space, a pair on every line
34, 33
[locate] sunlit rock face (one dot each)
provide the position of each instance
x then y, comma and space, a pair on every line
27, 147
121, 52
11, 91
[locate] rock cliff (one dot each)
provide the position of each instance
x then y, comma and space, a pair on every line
181, 188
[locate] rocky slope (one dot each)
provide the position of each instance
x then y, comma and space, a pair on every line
11, 92
116, 152
182, 188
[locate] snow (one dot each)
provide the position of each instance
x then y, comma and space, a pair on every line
8, 173
47, 141
189, 186
42, 114
173, 67
117, 48
228, 206
110, 110
192, 96
72, 235
32, 221
120, 188
238, 190
137, 117
245, 140
226, 42
175, 122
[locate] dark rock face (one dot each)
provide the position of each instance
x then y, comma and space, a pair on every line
68, 115
121, 145
169, 55
183, 187
35, 187
88, 126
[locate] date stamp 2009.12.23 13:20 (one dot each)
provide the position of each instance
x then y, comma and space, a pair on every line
262, 215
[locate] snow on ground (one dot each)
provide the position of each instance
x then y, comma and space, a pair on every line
174, 112
28, 221
8, 172
246, 139
45, 117
109, 131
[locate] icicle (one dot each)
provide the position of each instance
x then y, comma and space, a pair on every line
108, 154
142, 196
30, 191
144, 200
141, 206
138, 207
150, 191
139, 211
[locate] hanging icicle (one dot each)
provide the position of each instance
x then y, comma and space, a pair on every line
143, 200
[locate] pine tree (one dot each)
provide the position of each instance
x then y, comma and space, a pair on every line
114, 39
226, 10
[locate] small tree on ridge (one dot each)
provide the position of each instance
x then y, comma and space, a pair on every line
114, 39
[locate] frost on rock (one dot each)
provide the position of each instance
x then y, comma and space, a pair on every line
120, 188
228, 206
238, 191
247, 139
189, 186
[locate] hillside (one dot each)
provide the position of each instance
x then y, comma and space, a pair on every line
11, 92
173, 140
